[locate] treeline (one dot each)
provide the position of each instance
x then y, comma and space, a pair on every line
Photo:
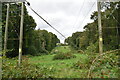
88, 39
35, 42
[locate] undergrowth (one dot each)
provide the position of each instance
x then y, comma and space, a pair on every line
105, 66
61, 56
26, 70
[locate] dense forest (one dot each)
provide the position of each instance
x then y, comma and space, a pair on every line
88, 39
35, 42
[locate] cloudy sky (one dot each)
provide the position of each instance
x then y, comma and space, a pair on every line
67, 16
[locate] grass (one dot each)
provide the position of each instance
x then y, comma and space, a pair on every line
54, 68
62, 49
63, 68
48, 60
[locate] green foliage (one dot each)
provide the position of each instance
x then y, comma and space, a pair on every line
61, 49
35, 42
81, 65
14, 28
55, 51
61, 44
44, 41
61, 56
93, 48
61, 68
110, 30
31, 50
10, 70
74, 40
45, 67
106, 66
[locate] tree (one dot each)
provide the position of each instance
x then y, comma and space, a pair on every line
14, 26
110, 28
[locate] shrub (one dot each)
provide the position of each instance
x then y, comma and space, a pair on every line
82, 64
26, 70
106, 66
30, 50
63, 56
55, 51
93, 48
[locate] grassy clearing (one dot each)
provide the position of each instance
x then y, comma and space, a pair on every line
45, 67
63, 68
54, 68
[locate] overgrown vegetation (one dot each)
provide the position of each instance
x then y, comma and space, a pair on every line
104, 66
11, 70
61, 56
79, 67
87, 41
62, 52
41, 67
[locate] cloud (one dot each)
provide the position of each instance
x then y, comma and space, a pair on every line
64, 15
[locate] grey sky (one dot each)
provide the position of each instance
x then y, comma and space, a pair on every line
65, 15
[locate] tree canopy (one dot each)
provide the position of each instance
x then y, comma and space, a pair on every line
35, 42
110, 28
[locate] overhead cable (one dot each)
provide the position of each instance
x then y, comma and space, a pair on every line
28, 4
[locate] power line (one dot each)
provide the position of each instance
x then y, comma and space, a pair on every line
28, 4
111, 14
115, 19
87, 13
110, 27
48, 23
117, 28
79, 14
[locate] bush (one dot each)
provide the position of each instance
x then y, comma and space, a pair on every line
82, 64
30, 50
12, 71
61, 56
93, 48
55, 51
106, 66
26, 70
